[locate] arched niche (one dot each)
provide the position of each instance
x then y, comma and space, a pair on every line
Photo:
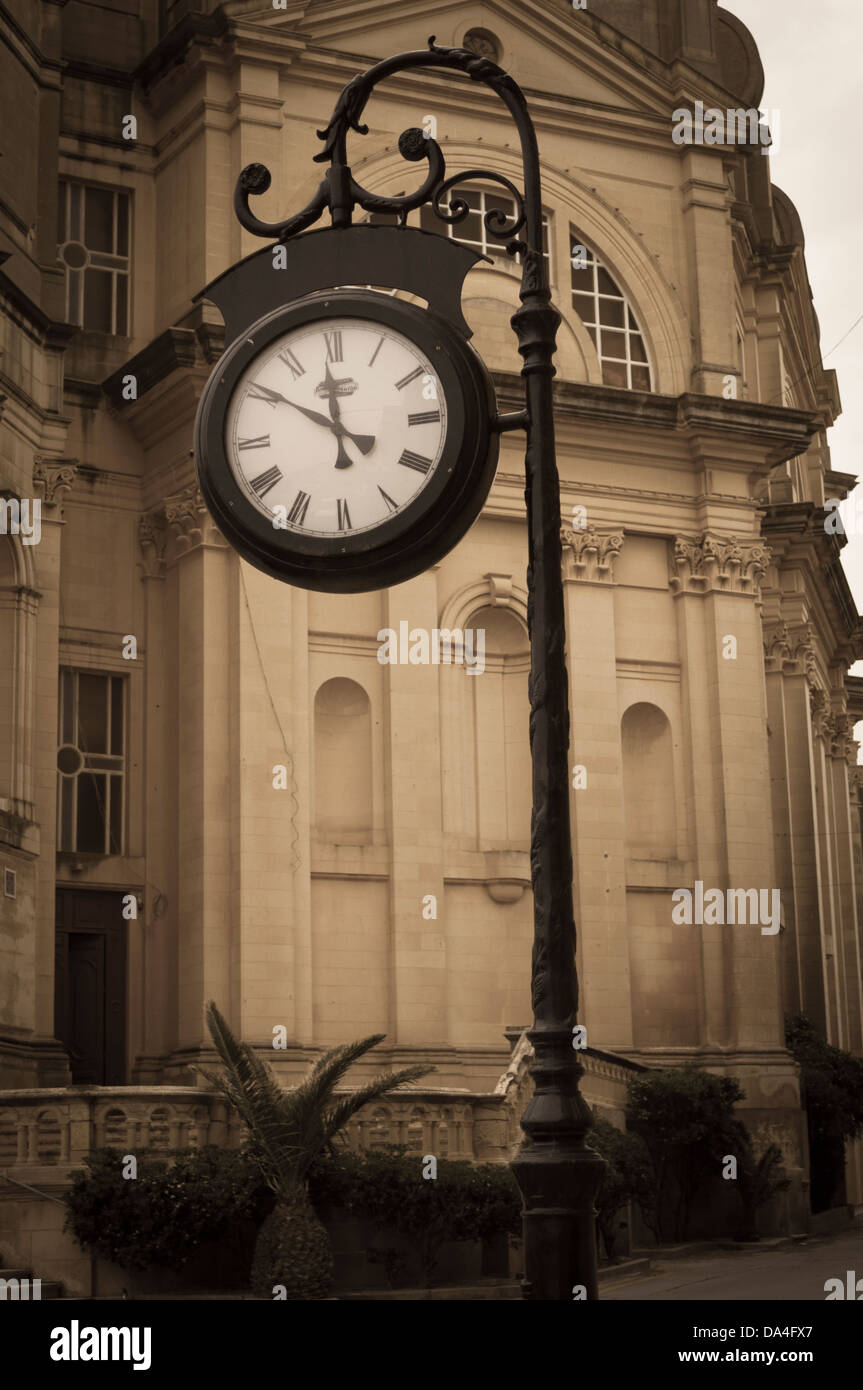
650, 804
485, 721
343, 762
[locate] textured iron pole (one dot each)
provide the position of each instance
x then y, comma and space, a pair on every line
557, 1173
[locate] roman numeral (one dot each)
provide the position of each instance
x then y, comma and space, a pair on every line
411, 376
261, 441
391, 505
376, 351
300, 507
265, 481
334, 345
297, 368
412, 460
424, 417
344, 515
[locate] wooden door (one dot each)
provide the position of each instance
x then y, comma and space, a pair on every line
90, 985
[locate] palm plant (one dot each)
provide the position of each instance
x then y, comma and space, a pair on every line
287, 1131
758, 1179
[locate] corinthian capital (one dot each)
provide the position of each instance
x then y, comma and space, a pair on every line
790, 651
589, 553
187, 513
719, 564
52, 477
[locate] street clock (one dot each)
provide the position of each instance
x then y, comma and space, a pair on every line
346, 439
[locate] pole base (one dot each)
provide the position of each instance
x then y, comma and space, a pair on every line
559, 1184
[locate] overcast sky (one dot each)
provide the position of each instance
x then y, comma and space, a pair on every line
814, 78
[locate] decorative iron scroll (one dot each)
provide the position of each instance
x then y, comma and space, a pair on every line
340, 192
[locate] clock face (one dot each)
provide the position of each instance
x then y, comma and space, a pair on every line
336, 427
344, 442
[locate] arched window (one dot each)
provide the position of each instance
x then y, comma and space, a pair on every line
343, 762
605, 312
648, 784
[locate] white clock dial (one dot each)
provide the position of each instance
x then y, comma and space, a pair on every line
336, 427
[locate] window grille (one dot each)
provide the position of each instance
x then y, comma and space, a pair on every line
93, 236
604, 310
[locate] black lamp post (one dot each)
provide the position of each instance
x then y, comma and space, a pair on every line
557, 1173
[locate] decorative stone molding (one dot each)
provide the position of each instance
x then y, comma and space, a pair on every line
719, 564
839, 730
186, 511
589, 554
53, 477
819, 711
492, 591
789, 651
500, 590
153, 540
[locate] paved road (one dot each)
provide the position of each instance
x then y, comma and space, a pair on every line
792, 1272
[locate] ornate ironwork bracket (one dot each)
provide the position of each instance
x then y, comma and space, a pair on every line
340, 192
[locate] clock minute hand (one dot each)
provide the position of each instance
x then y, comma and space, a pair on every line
364, 442
266, 393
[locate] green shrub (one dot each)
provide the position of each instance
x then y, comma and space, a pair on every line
833, 1096
162, 1216
464, 1202
686, 1118
627, 1176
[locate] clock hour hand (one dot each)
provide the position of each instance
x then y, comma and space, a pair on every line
364, 442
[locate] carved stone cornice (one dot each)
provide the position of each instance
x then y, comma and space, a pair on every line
718, 564
153, 536
588, 553
187, 513
790, 651
52, 477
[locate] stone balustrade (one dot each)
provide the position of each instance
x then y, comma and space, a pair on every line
45, 1133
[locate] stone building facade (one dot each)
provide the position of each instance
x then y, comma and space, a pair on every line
247, 806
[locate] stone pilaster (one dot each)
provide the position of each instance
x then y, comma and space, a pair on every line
425, 1012
596, 809
52, 478
716, 581
789, 673
200, 751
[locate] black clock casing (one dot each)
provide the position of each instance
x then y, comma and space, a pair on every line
409, 542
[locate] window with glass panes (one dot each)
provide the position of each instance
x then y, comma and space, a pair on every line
93, 238
91, 762
604, 310
472, 230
